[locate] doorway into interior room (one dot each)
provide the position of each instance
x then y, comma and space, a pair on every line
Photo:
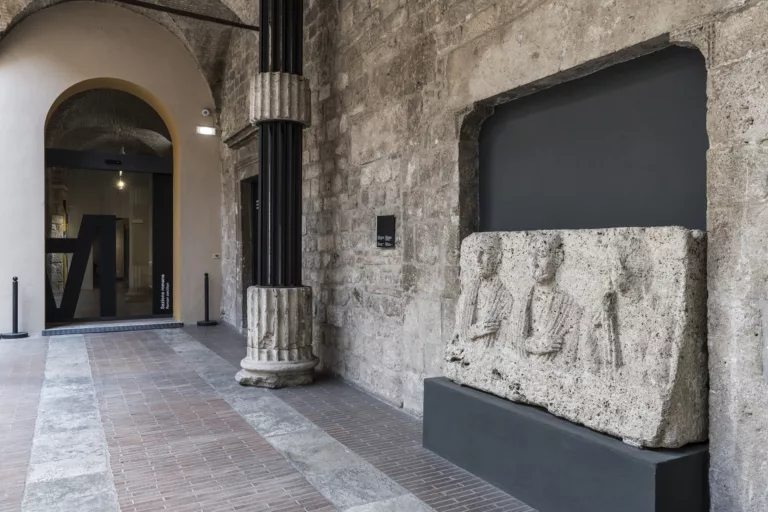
109, 210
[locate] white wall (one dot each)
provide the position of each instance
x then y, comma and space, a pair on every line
57, 49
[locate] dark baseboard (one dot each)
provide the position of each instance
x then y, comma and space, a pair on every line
66, 331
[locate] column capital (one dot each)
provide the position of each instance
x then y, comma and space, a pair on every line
276, 96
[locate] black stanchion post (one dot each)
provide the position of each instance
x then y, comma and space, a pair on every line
15, 334
207, 322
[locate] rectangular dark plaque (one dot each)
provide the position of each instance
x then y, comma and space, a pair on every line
385, 231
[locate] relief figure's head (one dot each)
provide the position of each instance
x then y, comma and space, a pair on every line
547, 258
621, 274
489, 257
631, 268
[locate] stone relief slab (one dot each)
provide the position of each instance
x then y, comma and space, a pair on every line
606, 328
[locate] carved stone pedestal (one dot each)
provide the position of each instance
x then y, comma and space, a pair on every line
279, 338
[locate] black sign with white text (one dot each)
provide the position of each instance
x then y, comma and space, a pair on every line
162, 244
385, 231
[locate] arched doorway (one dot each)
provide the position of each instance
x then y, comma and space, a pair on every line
64, 50
108, 209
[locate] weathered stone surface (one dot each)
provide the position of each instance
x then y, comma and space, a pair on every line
606, 328
367, 115
280, 96
279, 338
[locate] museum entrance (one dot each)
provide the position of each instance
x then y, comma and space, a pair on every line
109, 210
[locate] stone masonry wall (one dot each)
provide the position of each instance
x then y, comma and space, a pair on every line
237, 164
396, 86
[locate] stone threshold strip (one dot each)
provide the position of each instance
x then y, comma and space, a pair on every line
349, 482
69, 465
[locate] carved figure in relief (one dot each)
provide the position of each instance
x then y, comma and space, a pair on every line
550, 316
649, 353
485, 301
601, 351
627, 305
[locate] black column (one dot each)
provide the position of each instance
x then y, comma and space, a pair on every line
278, 244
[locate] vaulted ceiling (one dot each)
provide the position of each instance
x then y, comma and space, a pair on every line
207, 42
108, 121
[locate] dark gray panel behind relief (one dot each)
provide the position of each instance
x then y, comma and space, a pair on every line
625, 146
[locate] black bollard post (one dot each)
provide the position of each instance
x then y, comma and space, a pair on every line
15, 334
207, 322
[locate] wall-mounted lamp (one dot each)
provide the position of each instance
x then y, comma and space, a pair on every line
206, 130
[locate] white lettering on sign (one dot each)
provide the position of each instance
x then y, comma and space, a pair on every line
165, 293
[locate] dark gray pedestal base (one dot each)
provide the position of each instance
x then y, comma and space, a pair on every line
554, 465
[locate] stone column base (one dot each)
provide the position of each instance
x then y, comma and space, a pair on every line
279, 338
276, 374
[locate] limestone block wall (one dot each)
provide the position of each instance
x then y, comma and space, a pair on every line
399, 92
237, 164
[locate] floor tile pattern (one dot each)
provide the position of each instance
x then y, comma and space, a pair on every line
387, 438
342, 476
22, 367
391, 441
155, 421
175, 444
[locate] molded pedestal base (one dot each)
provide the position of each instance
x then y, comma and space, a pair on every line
554, 465
277, 374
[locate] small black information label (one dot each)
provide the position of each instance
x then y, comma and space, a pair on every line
385, 231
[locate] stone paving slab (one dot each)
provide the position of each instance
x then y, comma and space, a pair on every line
342, 476
175, 444
407, 502
69, 463
154, 420
385, 437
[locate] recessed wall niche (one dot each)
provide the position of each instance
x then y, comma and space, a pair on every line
623, 147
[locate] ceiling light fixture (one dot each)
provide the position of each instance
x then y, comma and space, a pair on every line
206, 130
120, 183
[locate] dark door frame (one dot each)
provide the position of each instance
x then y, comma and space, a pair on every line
97, 229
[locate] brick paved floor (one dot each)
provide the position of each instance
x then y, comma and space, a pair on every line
22, 367
384, 436
181, 435
176, 445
